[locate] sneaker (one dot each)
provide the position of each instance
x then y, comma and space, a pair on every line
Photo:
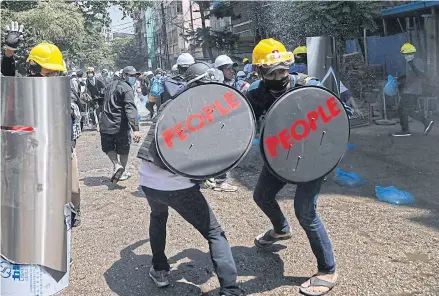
118, 171
209, 184
225, 187
402, 134
160, 278
125, 176
76, 219
428, 127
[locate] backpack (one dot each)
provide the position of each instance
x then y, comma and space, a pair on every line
156, 87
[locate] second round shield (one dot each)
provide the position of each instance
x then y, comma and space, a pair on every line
205, 131
305, 134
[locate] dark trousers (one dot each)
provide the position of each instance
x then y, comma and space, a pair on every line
406, 108
305, 207
150, 106
192, 206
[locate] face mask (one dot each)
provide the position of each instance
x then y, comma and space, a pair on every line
277, 85
90, 75
131, 80
409, 57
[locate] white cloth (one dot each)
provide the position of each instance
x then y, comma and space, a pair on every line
152, 176
342, 88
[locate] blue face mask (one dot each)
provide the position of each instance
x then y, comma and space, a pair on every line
132, 80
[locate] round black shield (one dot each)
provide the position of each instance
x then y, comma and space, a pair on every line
305, 134
205, 131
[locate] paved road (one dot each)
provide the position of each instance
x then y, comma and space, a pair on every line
381, 249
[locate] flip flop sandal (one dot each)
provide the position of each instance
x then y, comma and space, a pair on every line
316, 282
117, 174
267, 240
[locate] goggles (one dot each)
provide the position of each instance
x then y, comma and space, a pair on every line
275, 58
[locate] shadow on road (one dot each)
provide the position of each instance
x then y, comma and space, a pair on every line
129, 275
101, 181
410, 164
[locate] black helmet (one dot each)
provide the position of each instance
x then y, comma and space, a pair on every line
197, 69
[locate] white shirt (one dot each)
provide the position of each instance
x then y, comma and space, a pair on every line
342, 87
153, 177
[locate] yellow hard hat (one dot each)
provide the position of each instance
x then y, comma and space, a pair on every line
48, 56
300, 50
245, 60
408, 48
90, 69
270, 52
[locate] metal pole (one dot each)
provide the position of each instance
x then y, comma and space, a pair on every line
407, 27
192, 27
366, 59
385, 26
165, 36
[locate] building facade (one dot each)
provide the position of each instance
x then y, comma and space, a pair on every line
172, 22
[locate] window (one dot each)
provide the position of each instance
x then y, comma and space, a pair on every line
179, 7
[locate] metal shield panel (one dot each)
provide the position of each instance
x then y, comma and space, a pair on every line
305, 134
35, 170
322, 61
205, 131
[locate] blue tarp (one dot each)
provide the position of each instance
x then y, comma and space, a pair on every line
386, 51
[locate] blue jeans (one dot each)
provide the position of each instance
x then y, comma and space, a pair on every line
193, 207
305, 207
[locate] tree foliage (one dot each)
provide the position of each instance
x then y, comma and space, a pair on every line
125, 54
74, 26
207, 38
292, 21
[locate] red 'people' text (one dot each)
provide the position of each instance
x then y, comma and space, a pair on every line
286, 138
197, 121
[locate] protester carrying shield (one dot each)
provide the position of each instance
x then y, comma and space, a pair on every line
273, 62
164, 189
172, 86
119, 117
413, 89
46, 60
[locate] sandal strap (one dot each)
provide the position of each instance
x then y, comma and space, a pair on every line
316, 282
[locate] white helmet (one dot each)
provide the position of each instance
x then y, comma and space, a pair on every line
73, 74
175, 68
223, 60
149, 73
240, 74
185, 59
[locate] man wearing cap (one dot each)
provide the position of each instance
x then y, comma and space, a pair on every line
119, 116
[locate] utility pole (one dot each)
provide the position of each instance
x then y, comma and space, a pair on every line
192, 27
165, 36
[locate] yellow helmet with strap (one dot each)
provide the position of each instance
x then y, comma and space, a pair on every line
408, 48
300, 50
271, 52
90, 69
48, 56
245, 60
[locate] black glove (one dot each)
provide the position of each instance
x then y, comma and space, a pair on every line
14, 34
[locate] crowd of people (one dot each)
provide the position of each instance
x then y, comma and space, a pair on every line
273, 71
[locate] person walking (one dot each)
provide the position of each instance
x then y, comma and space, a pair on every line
119, 117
